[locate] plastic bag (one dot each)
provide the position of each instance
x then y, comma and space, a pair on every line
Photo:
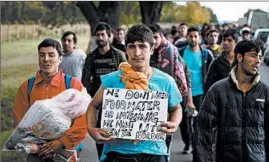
49, 119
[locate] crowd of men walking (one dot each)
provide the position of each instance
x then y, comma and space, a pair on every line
210, 71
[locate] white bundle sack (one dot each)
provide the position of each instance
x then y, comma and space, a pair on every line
49, 119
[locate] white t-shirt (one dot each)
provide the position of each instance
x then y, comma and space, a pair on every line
73, 64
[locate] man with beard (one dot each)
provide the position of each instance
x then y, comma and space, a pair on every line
197, 60
235, 113
103, 60
222, 65
139, 47
212, 38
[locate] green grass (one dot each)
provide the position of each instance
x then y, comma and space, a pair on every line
25, 48
20, 74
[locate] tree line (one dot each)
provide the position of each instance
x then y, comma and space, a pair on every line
55, 14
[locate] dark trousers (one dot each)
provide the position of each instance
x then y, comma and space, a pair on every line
186, 129
197, 101
36, 158
117, 157
99, 147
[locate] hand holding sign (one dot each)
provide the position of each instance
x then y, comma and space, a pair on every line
135, 114
168, 127
100, 135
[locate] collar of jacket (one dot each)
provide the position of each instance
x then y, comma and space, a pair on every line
55, 80
234, 79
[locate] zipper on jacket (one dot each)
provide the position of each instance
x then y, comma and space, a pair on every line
47, 91
243, 126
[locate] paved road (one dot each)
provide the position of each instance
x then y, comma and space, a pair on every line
89, 153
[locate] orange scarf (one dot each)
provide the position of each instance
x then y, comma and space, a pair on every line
133, 79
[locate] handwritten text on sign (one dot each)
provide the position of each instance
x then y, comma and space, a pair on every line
134, 114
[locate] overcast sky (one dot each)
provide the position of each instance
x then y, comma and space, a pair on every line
232, 11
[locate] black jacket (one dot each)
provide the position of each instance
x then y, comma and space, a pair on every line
237, 123
219, 69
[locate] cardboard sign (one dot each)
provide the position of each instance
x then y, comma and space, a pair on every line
134, 114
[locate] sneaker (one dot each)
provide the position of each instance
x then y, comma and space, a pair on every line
187, 150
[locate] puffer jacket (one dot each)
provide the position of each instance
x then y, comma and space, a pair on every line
218, 69
236, 123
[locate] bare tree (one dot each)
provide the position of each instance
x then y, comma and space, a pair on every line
103, 11
150, 11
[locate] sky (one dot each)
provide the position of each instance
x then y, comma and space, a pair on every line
232, 11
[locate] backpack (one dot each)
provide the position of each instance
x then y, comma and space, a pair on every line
204, 52
67, 79
31, 81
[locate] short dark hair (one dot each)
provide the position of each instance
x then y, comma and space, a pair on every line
103, 26
65, 34
48, 42
211, 31
247, 46
231, 32
245, 31
168, 35
119, 29
193, 28
155, 28
140, 33
225, 24
181, 24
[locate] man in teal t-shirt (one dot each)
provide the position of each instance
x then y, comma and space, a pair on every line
139, 47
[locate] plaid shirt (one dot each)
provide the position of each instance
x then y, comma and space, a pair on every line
89, 69
169, 62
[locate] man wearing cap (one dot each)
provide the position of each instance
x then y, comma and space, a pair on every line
245, 33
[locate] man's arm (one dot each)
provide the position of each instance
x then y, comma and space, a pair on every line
211, 76
99, 135
21, 104
205, 129
189, 103
122, 57
179, 71
82, 63
210, 58
171, 126
87, 72
266, 126
78, 130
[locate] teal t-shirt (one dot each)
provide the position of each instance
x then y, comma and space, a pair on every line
193, 61
159, 81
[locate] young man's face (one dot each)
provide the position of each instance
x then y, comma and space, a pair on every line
213, 38
139, 54
250, 62
120, 35
102, 38
228, 44
193, 38
49, 60
245, 35
68, 43
183, 29
157, 40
